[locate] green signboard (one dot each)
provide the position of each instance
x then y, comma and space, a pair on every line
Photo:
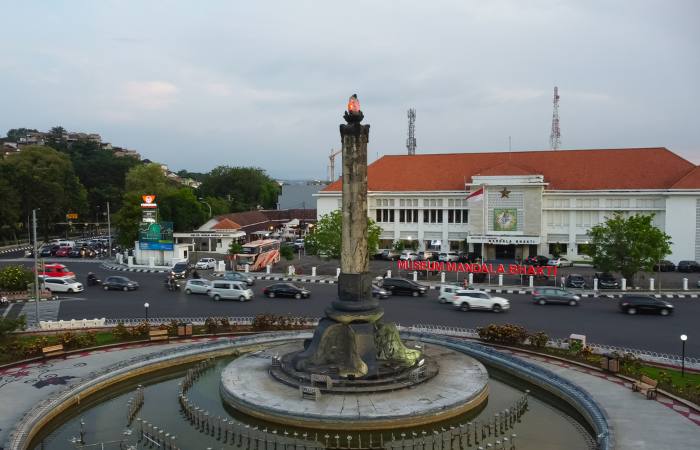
505, 219
156, 236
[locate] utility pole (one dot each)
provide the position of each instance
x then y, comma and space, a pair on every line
411, 140
36, 270
555, 135
109, 232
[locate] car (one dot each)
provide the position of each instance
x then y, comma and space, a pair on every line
607, 281
379, 292
238, 276
688, 266
447, 291
180, 270
229, 290
560, 262
205, 264
402, 286
63, 251
408, 255
575, 280
545, 295
664, 266
69, 285
537, 260
448, 257
119, 283
56, 271
468, 299
197, 286
299, 244
426, 255
389, 255
76, 253
633, 304
286, 290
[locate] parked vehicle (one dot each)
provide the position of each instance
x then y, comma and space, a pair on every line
56, 271
575, 281
259, 254
426, 256
447, 291
402, 286
408, 255
468, 299
286, 290
205, 264
607, 281
238, 276
229, 290
119, 283
299, 244
63, 252
62, 285
75, 253
389, 255
448, 257
537, 260
633, 304
664, 266
688, 266
379, 292
180, 270
544, 295
560, 262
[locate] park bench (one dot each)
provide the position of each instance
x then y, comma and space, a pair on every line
53, 350
158, 335
646, 386
310, 393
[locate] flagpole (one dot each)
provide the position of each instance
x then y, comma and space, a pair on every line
483, 237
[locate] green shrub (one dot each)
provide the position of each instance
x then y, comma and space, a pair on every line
121, 332
539, 339
508, 334
287, 252
210, 325
15, 278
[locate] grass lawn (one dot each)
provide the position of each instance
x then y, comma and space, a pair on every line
653, 372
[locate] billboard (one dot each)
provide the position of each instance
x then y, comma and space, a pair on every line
505, 219
156, 236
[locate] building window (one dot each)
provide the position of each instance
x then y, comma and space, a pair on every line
457, 216
587, 203
408, 215
384, 215
432, 216
586, 218
558, 249
583, 249
559, 218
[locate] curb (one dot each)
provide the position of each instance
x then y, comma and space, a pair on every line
16, 249
30, 301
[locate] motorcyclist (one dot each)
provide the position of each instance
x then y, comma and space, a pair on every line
91, 279
170, 283
195, 274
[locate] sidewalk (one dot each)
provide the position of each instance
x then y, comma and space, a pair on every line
638, 423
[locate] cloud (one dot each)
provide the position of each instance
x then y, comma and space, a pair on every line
151, 95
508, 95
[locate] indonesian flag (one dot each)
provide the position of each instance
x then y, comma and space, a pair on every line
477, 195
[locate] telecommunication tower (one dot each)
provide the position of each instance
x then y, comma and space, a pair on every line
555, 135
411, 141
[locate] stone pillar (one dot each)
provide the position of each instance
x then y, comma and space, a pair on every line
415, 276
532, 281
685, 284
651, 284
623, 284
388, 273
500, 279
442, 277
130, 261
595, 284
313, 271
247, 268
267, 269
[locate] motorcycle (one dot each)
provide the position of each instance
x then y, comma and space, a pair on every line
93, 281
171, 285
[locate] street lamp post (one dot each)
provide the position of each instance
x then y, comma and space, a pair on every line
36, 269
683, 339
146, 305
202, 200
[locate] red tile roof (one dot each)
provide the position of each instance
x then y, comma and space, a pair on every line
226, 224
602, 169
690, 181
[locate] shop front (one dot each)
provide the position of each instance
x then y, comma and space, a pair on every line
505, 248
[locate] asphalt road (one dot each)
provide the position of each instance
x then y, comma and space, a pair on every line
599, 319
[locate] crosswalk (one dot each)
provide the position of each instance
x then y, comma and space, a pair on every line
47, 311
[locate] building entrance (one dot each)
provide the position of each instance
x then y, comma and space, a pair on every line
505, 252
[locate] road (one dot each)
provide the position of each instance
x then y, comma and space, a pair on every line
597, 318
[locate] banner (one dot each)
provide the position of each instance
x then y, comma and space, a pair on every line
509, 269
505, 219
156, 236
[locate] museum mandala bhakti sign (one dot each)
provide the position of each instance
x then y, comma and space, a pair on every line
508, 269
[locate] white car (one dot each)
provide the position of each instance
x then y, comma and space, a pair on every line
448, 257
560, 262
468, 299
54, 284
447, 292
408, 255
197, 286
205, 263
230, 290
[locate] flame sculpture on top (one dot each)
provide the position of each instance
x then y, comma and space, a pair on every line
354, 105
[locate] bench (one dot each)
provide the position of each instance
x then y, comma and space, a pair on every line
158, 335
310, 393
53, 350
646, 386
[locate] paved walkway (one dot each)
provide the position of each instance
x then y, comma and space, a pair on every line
638, 423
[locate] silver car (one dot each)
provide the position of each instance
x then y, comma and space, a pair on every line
238, 276
197, 286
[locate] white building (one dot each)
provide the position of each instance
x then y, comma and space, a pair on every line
533, 200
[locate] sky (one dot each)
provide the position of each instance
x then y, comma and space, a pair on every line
197, 84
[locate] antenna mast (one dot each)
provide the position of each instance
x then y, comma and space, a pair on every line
555, 135
411, 141
331, 166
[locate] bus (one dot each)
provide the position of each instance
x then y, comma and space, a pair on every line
259, 254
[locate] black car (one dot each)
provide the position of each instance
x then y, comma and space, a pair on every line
688, 266
402, 286
75, 253
664, 266
380, 292
119, 283
537, 260
45, 252
607, 281
180, 270
575, 281
286, 290
633, 304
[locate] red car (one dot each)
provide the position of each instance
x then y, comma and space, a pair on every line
63, 251
56, 270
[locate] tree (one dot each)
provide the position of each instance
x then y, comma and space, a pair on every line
327, 236
8, 326
15, 278
245, 188
15, 134
628, 244
234, 249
